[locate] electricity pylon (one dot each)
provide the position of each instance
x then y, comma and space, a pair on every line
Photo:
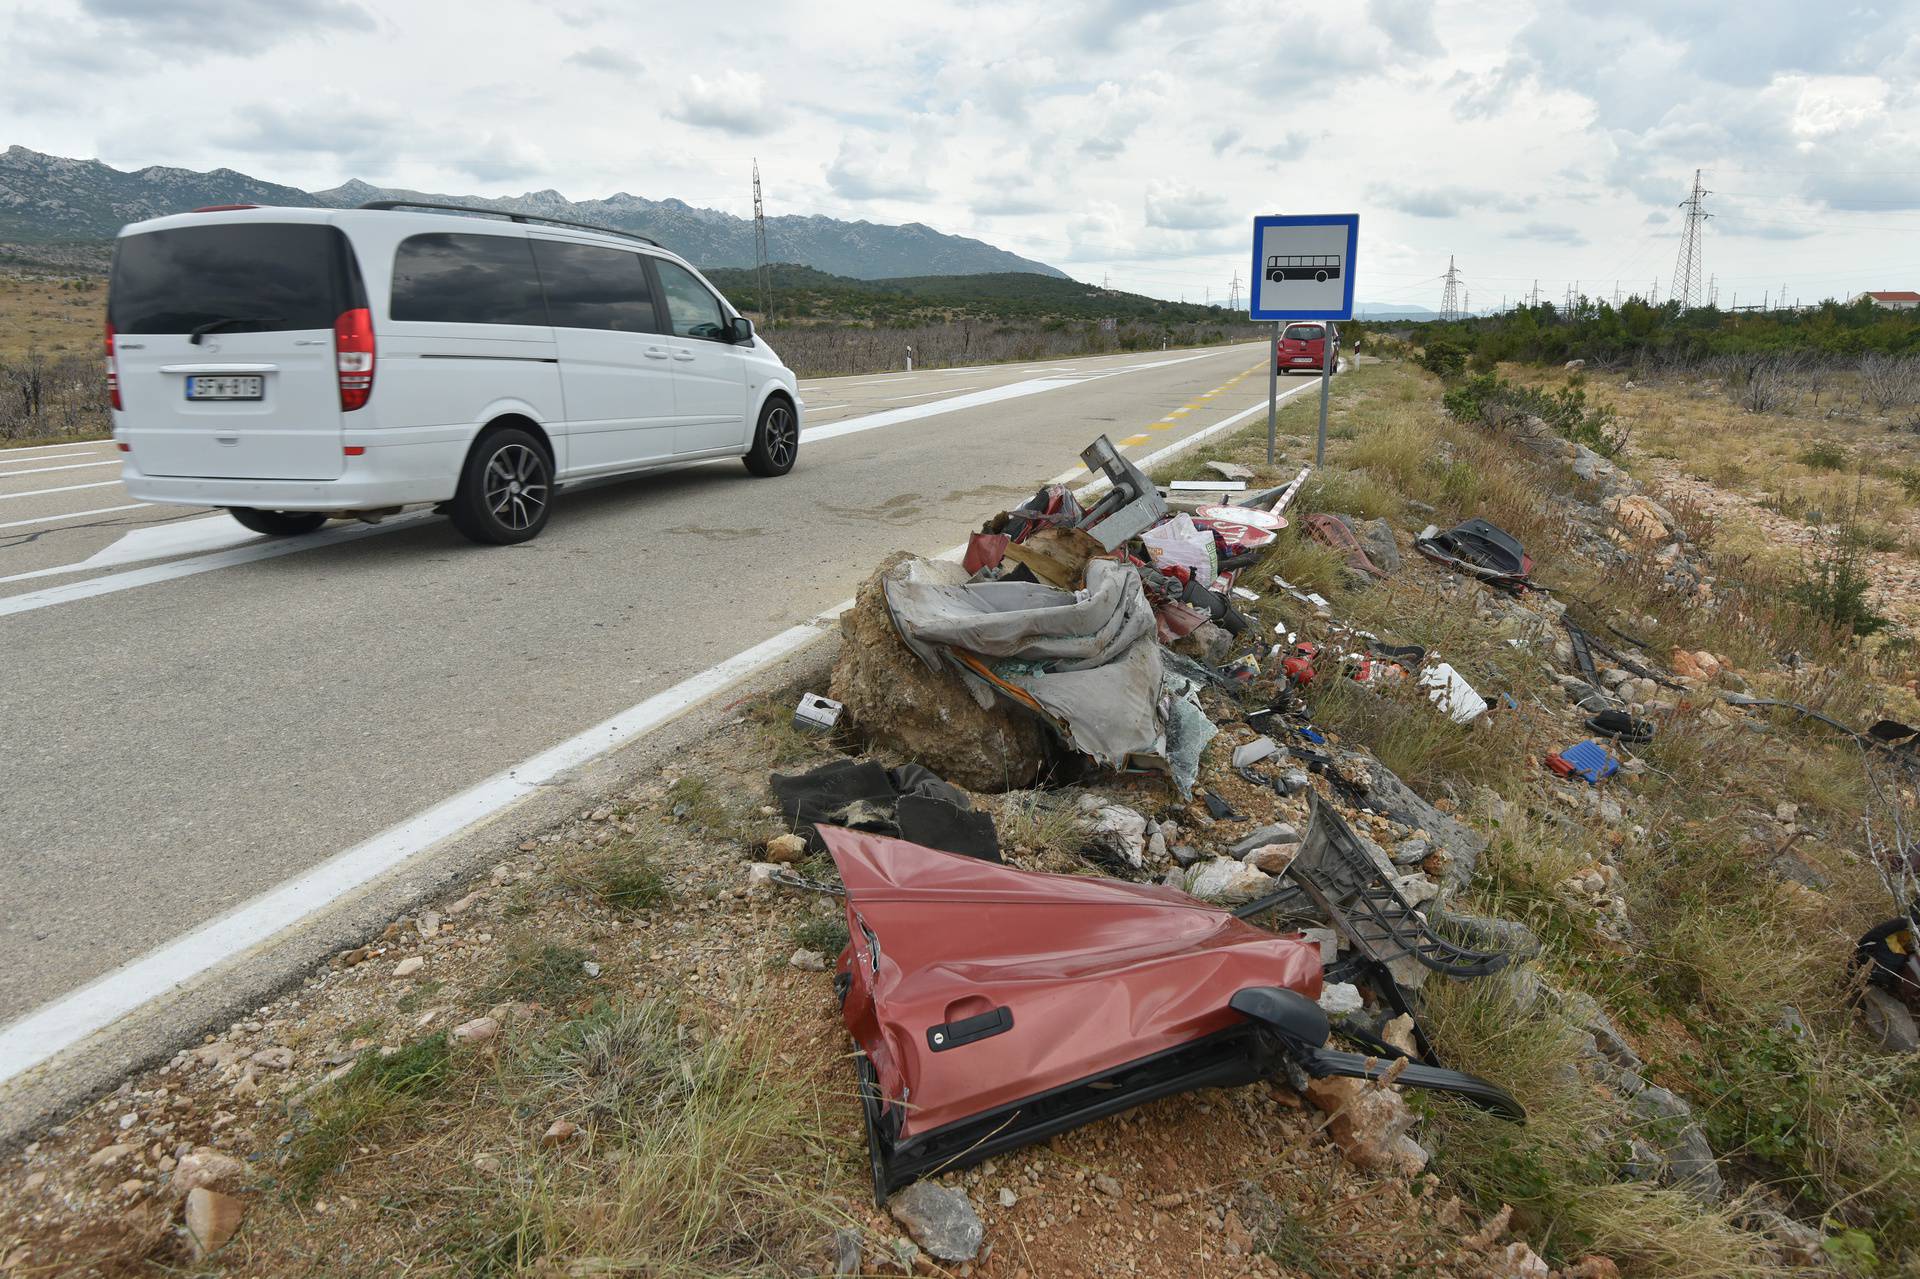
1450, 297
761, 267
1686, 270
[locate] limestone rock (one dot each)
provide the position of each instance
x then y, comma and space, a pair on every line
1338, 998
1376, 538
477, 1031
926, 715
1120, 833
211, 1218
409, 966
209, 1168
1278, 833
808, 961
1226, 880
1273, 859
1370, 1125
941, 1220
786, 848
1889, 1021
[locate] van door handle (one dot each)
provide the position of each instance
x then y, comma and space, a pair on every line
655, 352
683, 356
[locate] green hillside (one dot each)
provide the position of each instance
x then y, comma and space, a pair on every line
801, 293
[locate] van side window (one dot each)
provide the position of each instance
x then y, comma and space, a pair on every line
695, 312
594, 288
466, 279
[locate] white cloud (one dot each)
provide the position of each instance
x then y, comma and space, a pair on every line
730, 102
866, 171
1175, 207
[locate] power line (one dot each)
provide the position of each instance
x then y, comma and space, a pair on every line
1686, 271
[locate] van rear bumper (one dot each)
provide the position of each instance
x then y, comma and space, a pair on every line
381, 477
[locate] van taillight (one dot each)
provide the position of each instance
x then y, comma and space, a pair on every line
353, 356
113, 369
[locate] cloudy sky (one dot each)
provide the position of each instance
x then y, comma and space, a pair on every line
1124, 139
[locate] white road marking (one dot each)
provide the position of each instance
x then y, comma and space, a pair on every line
59, 1024
30, 601
71, 466
919, 395
823, 408
42, 457
32, 448
75, 515
65, 488
187, 537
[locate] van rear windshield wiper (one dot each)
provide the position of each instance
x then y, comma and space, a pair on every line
211, 325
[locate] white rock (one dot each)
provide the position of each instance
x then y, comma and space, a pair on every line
477, 1031
1120, 832
1224, 879
1417, 889
1338, 998
808, 961
409, 966
1007, 1198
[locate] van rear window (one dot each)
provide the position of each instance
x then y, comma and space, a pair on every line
467, 279
250, 277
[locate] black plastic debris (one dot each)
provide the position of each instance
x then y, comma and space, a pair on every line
1334, 879
910, 801
1479, 549
1621, 727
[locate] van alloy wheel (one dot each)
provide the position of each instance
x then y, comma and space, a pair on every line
516, 490
776, 439
783, 438
506, 488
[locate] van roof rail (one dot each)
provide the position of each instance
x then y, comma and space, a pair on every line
522, 218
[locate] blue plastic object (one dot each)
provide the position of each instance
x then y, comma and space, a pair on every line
1313, 735
1586, 759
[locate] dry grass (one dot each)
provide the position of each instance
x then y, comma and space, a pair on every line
56, 316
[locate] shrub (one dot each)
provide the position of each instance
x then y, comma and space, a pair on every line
1486, 399
1824, 456
1444, 359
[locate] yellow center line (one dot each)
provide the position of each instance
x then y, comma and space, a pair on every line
1161, 426
1134, 439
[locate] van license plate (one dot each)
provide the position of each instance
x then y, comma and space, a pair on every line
203, 387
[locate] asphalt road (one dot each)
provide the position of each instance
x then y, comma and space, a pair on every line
186, 723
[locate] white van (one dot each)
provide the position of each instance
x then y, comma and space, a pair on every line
294, 365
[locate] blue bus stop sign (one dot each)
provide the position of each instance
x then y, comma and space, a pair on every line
1303, 266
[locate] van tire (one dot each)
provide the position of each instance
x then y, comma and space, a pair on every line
277, 523
776, 439
506, 488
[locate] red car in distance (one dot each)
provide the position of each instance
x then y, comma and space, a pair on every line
1302, 347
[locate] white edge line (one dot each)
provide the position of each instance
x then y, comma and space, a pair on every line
64, 488
75, 515
55, 1026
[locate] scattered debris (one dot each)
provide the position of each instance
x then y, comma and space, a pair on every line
816, 713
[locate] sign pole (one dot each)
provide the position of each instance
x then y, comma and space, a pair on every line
1273, 389
1329, 354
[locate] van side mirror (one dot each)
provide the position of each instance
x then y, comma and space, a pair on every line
740, 329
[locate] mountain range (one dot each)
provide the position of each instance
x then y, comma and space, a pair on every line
51, 199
